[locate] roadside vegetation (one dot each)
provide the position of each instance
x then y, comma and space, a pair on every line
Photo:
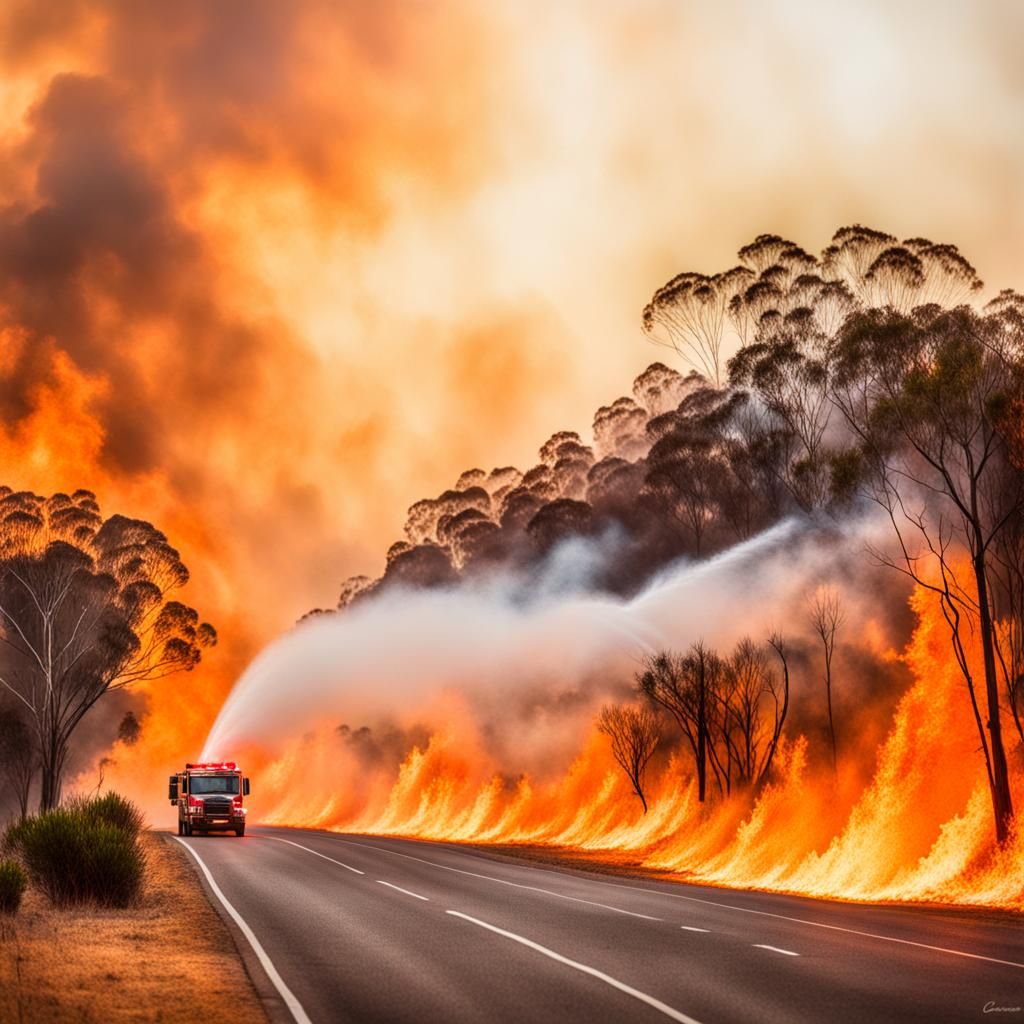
167, 956
731, 711
862, 377
128, 915
13, 882
86, 852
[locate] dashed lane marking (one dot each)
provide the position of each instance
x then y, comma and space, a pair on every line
347, 867
500, 881
398, 888
643, 997
713, 903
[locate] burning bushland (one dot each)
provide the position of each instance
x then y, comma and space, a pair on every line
765, 629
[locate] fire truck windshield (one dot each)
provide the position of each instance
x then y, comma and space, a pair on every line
200, 784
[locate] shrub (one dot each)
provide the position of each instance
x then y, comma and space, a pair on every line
112, 809
13, 836
86, 852
12, 886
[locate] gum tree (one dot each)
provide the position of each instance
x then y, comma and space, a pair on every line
928, 397
86, 607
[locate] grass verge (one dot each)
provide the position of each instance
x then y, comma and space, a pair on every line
168, 959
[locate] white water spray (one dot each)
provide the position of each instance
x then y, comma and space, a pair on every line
484, 641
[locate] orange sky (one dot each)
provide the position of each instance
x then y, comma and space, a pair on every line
271, 272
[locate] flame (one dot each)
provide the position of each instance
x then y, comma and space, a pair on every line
919, 830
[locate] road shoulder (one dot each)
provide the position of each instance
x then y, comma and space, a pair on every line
94, 966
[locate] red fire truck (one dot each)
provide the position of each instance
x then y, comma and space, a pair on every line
209, 798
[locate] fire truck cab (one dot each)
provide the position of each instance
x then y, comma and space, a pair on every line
209, 798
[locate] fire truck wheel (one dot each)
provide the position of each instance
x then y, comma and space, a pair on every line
240, 831
180, 832
187, 828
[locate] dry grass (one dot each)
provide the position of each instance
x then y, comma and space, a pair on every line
93, 966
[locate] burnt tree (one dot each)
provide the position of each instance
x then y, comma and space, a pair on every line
687, 686
634, 735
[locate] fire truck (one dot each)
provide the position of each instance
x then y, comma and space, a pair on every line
209, 798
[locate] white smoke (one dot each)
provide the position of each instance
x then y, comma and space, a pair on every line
489, 642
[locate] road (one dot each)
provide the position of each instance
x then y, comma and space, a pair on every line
359, 928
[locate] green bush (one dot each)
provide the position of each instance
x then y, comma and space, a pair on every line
12, 836
12, 886
86, 852
111, 809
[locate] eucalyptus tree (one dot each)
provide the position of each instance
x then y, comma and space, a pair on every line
933, 401
689, 314
754, 703
826, 616
788, 368
681, 480
86, 607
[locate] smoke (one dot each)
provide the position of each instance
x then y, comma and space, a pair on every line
121, 718
529, 663
138, 355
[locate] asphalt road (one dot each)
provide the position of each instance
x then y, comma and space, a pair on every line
358, 928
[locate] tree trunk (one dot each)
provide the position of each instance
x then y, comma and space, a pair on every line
51, 778
24, 788
702, 734
831, 725
1002, 799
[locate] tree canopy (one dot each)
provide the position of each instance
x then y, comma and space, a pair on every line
86, 607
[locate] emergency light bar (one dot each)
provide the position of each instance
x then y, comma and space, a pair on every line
215, 765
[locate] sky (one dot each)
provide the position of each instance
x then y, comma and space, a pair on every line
269, 273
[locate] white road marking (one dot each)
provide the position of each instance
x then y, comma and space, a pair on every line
688, 928
347, 867
500, 881
398, 888
729, 906
830, 927
775, 949
643, 997
294, 1006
